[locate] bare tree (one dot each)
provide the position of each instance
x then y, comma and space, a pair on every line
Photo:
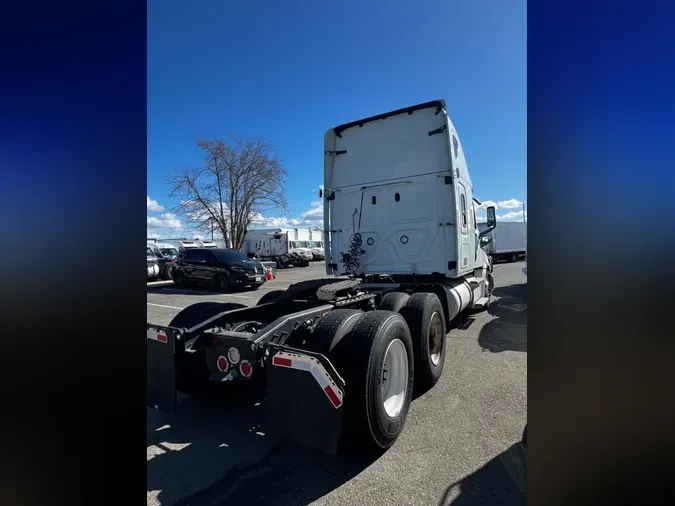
240, 179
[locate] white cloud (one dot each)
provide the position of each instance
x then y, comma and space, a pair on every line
513, 215
261, 221
166, 220
315, 212
505, 204
510, 204
153, 205
310, 218
152, 235
485, 204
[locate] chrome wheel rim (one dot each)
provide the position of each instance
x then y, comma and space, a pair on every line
435, 338
394, 374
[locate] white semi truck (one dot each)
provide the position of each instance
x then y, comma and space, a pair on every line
347, 354
285, 246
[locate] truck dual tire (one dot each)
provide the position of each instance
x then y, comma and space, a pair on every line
192, 373
425, 317
373, 353
394, 301
331, 329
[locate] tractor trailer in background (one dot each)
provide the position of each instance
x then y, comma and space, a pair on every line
285, 246
509, 240
340, 357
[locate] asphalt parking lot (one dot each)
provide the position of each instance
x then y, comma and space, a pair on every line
460, 444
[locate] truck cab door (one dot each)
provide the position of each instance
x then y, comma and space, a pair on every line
464, 250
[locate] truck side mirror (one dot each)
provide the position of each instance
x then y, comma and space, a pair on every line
485, 240
320, 193
491, 217
491, 222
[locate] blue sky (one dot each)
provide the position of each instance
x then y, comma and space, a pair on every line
287, 71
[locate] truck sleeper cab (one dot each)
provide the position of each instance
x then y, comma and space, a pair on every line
348, 353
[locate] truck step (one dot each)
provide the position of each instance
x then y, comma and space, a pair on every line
465, 325
481, 303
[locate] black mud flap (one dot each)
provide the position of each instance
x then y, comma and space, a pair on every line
304, 397
161, 368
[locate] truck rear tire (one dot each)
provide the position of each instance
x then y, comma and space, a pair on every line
331, 329
426, 319
394, 301
192, 373
375, 358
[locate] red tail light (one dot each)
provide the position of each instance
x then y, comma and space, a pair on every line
245, 368
222, 364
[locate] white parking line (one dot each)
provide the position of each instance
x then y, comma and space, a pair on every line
168, 307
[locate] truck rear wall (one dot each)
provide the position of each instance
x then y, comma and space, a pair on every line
388, 184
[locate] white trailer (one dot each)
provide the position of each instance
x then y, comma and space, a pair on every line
509, 240
286, 247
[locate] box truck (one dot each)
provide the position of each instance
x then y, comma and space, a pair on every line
284, 246
509, 240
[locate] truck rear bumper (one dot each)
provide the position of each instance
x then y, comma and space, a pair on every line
304, 398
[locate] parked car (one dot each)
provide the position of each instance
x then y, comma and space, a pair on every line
225, 269
153, 267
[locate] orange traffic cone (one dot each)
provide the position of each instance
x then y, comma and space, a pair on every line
269, 274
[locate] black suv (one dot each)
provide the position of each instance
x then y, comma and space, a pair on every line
226, 269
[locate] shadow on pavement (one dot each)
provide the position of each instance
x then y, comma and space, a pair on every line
203, 289
500, 482
222, 453
508, 331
